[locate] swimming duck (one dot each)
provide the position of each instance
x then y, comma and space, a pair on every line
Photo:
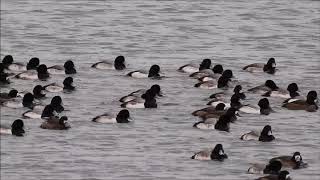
27, 101
16, 128
283, 175
219, 109
54, 87
189, 68
222, 82
223, 124
42, 74
221, 95
56, 124
265, 135
153, 73
294, 162
269, 85
216, 154
137, 94
67, 68
148, 102
13, 66
122, 117
290, 92
33, 63
7, 96
309, 105
270, 67
208, 74
119, 64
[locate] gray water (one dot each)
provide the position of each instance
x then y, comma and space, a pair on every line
159, 144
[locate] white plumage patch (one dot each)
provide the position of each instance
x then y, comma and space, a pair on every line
249, 110
189, 69
5, 131
250, 136
13, 104
279, 94
215, 103
105, 119
205, 126
139, 75
29, 75
17, 67
54, 88
32, 115
135, 105
104, 65
56, 71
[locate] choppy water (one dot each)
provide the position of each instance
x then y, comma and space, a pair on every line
159, 144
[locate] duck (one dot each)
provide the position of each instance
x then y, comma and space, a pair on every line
269, 85
222, 82
208, 74
269, 68
223, 124
47, 111
189, 68
283, 175
273, 167
220, 96
55, 88
7, 96
27, 101
119, 64
294, 161
219, 120
148, 101
11, 65
264, 107
139, 93
54, 123
218, 109
33, 63
153, 73
309, 105
122, 117
4, 80
38, 92
42, 74
216, 154
67, 68
16, 128
265, 135
290, 92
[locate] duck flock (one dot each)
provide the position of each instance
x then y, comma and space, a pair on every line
222, 109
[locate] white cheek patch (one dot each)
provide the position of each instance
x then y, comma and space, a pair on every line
269, 133
221, 152
297, 158
273, 65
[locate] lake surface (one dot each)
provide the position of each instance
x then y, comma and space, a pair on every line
160, 142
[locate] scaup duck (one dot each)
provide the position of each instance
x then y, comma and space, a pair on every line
265, 135
220, 108
137, 94
27, 101
119, 64
222, 82
153, 73
223, 124
38, 92
290, 92
208, 74
294, 162
56, 124
122, 117
309, 105
216, 154
10, 65
7, 96
33, 63
42, 74
16, 128
148, 102
269, 85
67, 68
273, 167
54, 87
270, 67
189, 68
